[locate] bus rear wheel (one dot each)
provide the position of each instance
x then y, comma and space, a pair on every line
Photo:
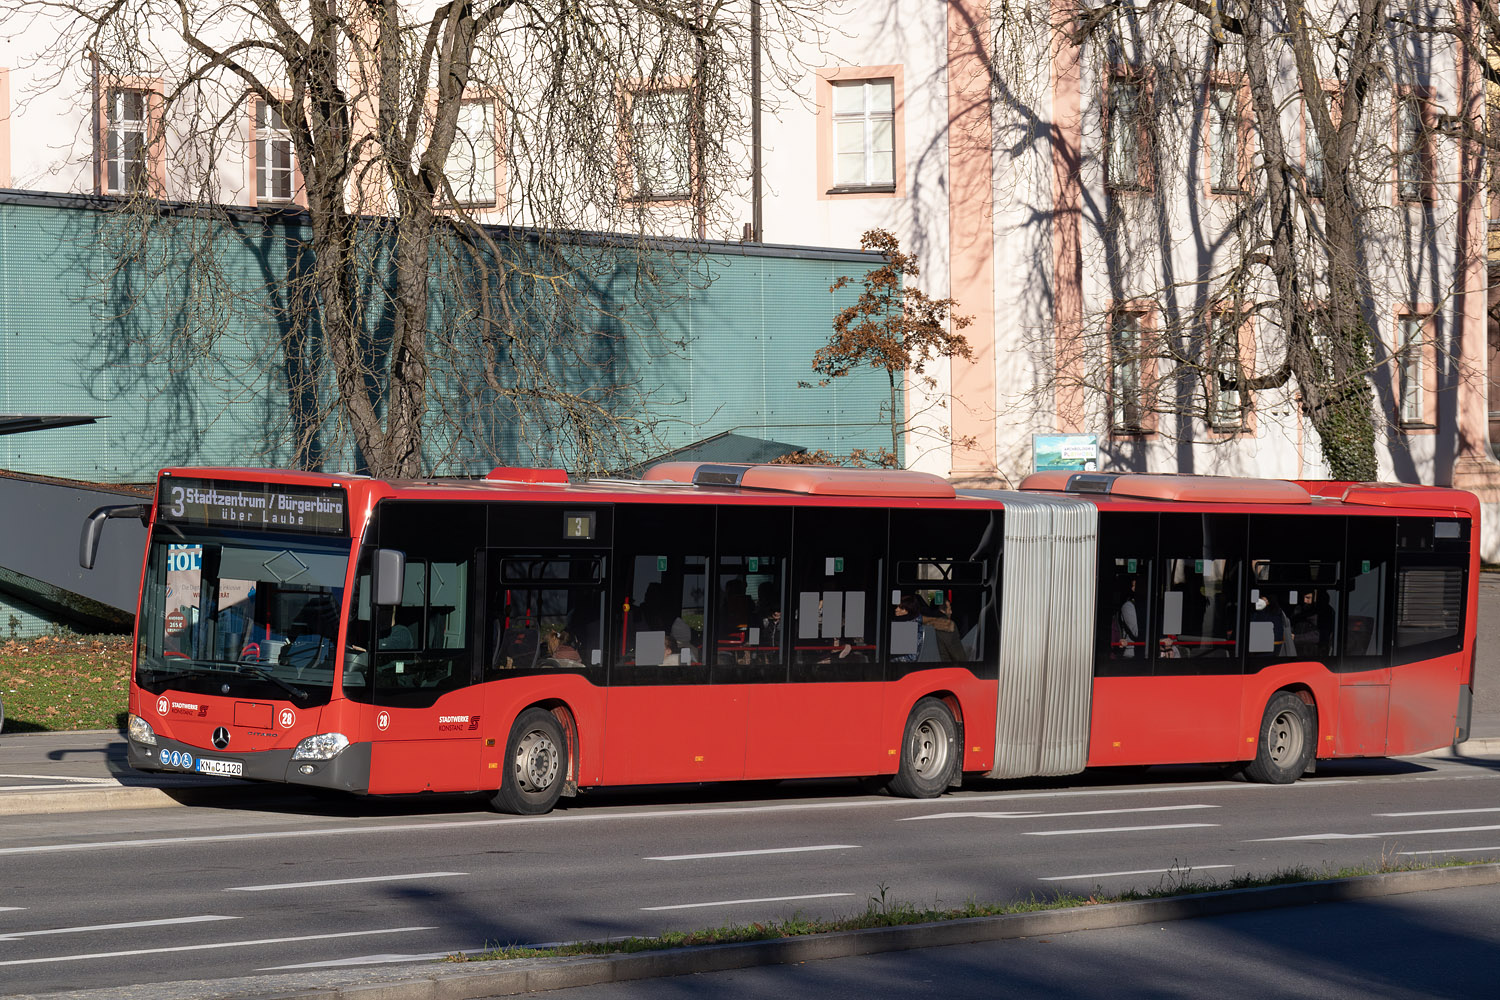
1288, 739
929, 752
535, 766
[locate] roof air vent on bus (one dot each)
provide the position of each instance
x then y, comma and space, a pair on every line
1091, 482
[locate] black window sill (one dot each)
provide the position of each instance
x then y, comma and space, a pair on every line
863, 189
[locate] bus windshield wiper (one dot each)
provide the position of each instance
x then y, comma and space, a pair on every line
264, 674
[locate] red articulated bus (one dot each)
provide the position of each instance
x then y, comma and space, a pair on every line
529, 636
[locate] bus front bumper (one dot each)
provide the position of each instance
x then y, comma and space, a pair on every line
348, 771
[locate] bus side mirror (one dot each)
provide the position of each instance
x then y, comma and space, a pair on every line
390, 575
88, 542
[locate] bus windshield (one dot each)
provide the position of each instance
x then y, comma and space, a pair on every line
241, 615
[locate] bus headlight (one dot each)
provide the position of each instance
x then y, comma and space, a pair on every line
321, 747
140, 731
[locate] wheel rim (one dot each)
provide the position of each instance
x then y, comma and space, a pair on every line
1284, 739
537, 762
929, 749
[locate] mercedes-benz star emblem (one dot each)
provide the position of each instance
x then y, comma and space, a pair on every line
221, 737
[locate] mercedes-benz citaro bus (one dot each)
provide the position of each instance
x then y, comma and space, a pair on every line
528, 636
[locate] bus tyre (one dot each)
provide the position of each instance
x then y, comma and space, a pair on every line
1288, 738
929, 752
535, 765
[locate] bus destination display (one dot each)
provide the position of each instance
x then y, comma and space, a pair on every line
254, 506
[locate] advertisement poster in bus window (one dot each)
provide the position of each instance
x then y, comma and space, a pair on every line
185, 588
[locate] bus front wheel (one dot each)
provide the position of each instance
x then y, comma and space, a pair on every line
535, 765
929, 751
1288, 739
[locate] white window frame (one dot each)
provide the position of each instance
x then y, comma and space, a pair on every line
660, 148
874, 126
472, 157
1127, 412
1227, 411
127, 141
271, 134
1128, 153
1411, 148
1413, 370
1225, 140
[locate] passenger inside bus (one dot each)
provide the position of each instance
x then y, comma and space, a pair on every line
1312, 624
560, 647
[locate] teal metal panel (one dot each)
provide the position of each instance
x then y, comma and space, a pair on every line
714, 340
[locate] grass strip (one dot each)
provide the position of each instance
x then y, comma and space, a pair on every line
881, 911
62, 681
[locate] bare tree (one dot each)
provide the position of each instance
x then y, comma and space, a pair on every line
404, 320
1254, 164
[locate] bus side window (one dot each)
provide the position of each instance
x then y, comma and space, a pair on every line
1295, 595
941, 606
1125, 641
660, 593
423, 646
749, 621
1432, 559
836, 592
1202, 556
1365, 633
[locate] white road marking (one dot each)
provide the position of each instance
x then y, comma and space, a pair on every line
341, 881
65, 778
737, 902
212, 945
1453, 850
746, 854
1183, 869
1443, 812
1042, 815
12, 908
165, 922
1113, 829
625, 814
431, 956
1381, 833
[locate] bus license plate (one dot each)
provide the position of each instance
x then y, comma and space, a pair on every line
230, 767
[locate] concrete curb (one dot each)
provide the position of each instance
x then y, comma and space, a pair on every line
463, 982
47, 801
1482, 746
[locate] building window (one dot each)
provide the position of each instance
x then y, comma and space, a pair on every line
1412, 358
471, 159
1226, 140
1226, 406
1128, 136
1127, 411
864, 134
1412, 153
660, 149
1314, 164
126, 141
275, 163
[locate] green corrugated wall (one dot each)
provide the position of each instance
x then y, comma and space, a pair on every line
740, 331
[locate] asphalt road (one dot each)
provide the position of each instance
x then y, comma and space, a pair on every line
140, 896
1424, 945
